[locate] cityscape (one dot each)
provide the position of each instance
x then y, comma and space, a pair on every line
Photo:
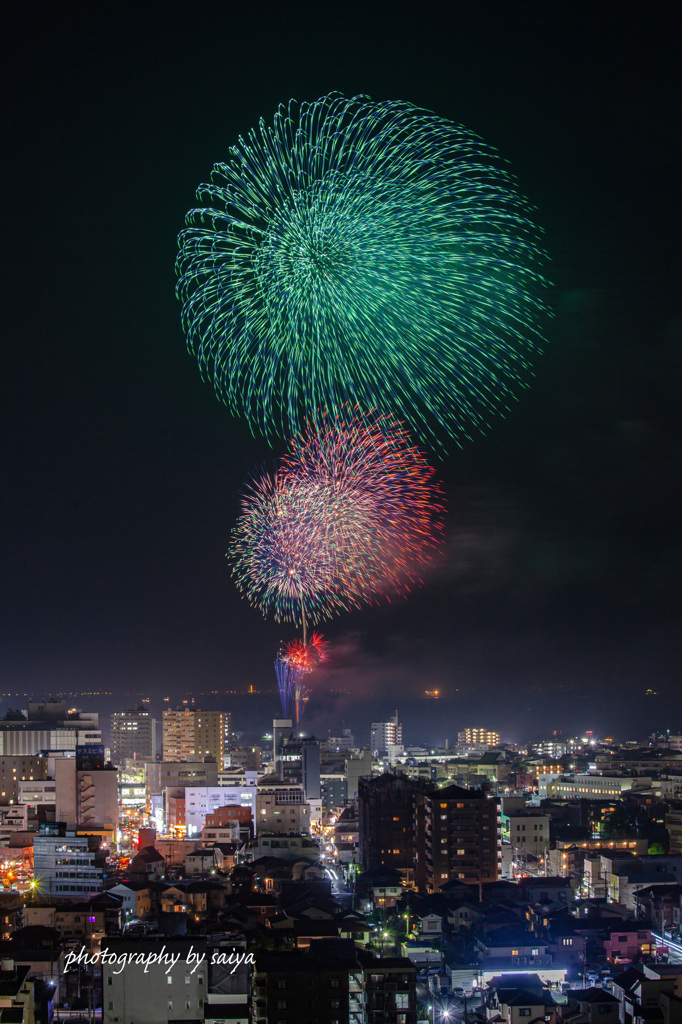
358, 877
341, 514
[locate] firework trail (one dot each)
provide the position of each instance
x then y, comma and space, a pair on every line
296, 661
286, 683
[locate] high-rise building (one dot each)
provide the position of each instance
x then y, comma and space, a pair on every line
246, 758
298, 762
133, 734
333, 791
210, 731
358, 766
162, 776
14, 770
391, 823
281, 807
178, 734
335, 980
190, 734
335, 744
384, 735
65, 863
49, 726
324, 980
203, 800
281, 728
478, 738
201, 986
87, 796
527, 830
310, 768
463, 837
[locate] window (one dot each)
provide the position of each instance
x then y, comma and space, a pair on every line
401, 1001
110, 980
335, 983
524, 1011
281, 1004
169, 980
281, 984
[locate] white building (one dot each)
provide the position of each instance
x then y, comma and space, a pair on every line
281, 808
155, 992
527, 833
385, 734
66, 864
41, 792
586, 786
203, 800
228, 833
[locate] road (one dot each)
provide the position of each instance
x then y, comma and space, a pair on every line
340, 888
674, 948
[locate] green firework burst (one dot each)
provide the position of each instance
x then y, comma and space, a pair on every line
365, 253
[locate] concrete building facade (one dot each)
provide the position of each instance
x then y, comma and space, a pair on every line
133, 735
463, 837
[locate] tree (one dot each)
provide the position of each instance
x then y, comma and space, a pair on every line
14, 715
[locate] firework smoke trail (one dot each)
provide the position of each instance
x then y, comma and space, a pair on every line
287, 678
362, 252
300, 659
301, 695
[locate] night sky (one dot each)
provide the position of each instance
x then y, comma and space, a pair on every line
558, 603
